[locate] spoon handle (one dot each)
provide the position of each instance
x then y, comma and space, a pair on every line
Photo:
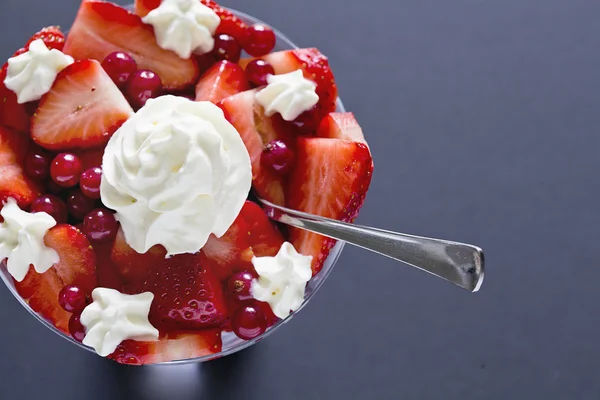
458, 263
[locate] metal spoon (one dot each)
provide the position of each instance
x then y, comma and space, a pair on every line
458, 263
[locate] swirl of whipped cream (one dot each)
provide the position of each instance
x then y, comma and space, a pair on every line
22, 240
175, 172
31, 75
184, 26
289, 94
282, 279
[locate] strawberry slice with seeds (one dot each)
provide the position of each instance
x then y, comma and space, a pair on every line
222, 80
82, 110
101, 28
256, 130
230, 24
263, 236
187, 293
173, 347
342, 126
315, 67
13, 180
231, 252
331, 179
52, 37
76, 266
133, 266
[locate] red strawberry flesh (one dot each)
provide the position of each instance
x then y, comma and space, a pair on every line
76, 266
331, 179
82, 110
222, 80
102, 28
13, 180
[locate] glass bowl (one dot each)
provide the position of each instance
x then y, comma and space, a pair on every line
230, 342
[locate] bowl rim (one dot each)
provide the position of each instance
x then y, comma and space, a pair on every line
238, 344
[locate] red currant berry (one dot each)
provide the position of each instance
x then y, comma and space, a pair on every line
76, 329
90, 182
278, 157
227, 48
51, 205
100, 225
72, 298
239, 285
65, 169
257, 72
79, 205
248, 322
143, 86
37, 164
119, 66
260, 40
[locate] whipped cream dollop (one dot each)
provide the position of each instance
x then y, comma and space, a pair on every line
31, 74
114, 317
22, 240
282, 279
175, 172
184, 26
288, 94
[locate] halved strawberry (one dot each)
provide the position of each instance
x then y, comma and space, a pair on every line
13, 181
187, 293
231, 252
230, 24
102, 28
77, 266
12, 114
52, 37
256, 130
107, 272
82, 110
222, 80
331, 179
316, 68
133, 266
264, 238
173, 347
341, 126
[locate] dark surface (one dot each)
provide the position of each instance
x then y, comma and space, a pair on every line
483, 120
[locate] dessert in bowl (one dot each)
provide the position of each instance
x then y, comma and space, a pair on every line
131, 149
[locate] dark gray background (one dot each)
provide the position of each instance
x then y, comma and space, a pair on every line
483, 119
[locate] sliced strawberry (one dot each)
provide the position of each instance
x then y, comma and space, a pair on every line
230, 24
341, 126
256, 130
82, 110
231, 252
222, 80
173, 347
187, 294
12, 114
13, 181
264, 238
102, 28
316, 68
77, 266
52, 37
331, 179
133, 266
107, 272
